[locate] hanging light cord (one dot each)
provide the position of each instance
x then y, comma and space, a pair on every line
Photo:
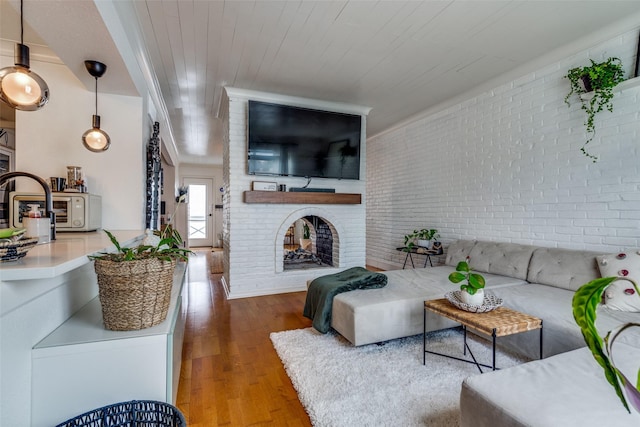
96, 96
21, 22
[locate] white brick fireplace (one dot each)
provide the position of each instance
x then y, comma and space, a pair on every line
254, 233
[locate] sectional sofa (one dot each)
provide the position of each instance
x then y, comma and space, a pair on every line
566, 388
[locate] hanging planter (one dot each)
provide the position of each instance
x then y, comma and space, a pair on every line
594, 85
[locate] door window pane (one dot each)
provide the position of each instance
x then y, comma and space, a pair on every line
197, 211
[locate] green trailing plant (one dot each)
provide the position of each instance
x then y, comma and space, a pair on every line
306, 233
411, 240
585, 303
167, 248
474, 281
600, 79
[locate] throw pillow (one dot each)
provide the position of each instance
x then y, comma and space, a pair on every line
621, 295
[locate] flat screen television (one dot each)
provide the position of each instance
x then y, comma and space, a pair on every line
302, 142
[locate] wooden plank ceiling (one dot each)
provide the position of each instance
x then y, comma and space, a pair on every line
398, 57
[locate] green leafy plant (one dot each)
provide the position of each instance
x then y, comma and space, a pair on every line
306, 233
474, 281
168, 248
411, 240
599, 78
426, 234
585, 303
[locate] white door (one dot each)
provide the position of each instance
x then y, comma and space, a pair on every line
200, 207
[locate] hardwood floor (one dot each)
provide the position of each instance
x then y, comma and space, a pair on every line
231, 375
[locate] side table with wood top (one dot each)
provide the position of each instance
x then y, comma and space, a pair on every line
428, 253
500, 322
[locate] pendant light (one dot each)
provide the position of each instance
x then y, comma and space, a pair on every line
21, 88
95, 139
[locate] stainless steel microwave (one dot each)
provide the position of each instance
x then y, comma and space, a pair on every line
74, 211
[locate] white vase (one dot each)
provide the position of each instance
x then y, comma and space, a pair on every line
475, 299
424, 243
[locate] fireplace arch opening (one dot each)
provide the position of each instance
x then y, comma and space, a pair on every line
309, 242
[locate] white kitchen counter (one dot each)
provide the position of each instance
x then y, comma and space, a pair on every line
67, 252
99, 367
38, 293
86, 326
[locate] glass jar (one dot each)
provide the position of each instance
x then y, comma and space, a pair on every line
74, 177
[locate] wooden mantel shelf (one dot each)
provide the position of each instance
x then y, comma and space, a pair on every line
302, 197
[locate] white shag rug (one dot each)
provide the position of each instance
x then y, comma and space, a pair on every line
381, 385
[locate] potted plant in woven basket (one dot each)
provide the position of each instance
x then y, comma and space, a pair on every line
135, 283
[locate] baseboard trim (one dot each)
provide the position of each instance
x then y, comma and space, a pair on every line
263, 292
225, 286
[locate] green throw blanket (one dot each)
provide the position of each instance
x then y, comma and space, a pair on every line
321, 291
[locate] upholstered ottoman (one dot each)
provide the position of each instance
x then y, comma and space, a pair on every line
396, 311
565, 390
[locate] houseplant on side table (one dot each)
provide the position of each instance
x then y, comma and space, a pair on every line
135, 283
421, 238
472, 292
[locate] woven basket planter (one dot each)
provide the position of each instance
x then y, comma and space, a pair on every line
134, 294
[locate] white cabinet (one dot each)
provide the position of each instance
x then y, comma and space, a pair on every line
82, 366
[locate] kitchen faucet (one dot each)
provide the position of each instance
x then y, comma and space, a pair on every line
47, 195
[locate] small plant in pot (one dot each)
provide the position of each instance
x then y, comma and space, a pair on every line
135, 283
597, 80
421, 238
472, 290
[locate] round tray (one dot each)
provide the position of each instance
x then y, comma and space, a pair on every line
13, 251
491, 302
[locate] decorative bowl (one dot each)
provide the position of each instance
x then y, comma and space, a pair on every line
491, 302
13, 251
7, 233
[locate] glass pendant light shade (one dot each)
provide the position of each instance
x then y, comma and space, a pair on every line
21, 88
95, 139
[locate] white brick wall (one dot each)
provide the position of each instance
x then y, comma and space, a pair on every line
506, 165
254, 233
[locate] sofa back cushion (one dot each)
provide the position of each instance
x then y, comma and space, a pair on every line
621, 295
563, 268
458, 251
505, 259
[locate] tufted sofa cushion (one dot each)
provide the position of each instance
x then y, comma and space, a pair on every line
505, 259
563, 268
621, 295
458, 251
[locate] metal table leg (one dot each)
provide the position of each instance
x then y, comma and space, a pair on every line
464, 346
427, 259
408, 256
424, 336
493, 335
465, 349
540, 339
